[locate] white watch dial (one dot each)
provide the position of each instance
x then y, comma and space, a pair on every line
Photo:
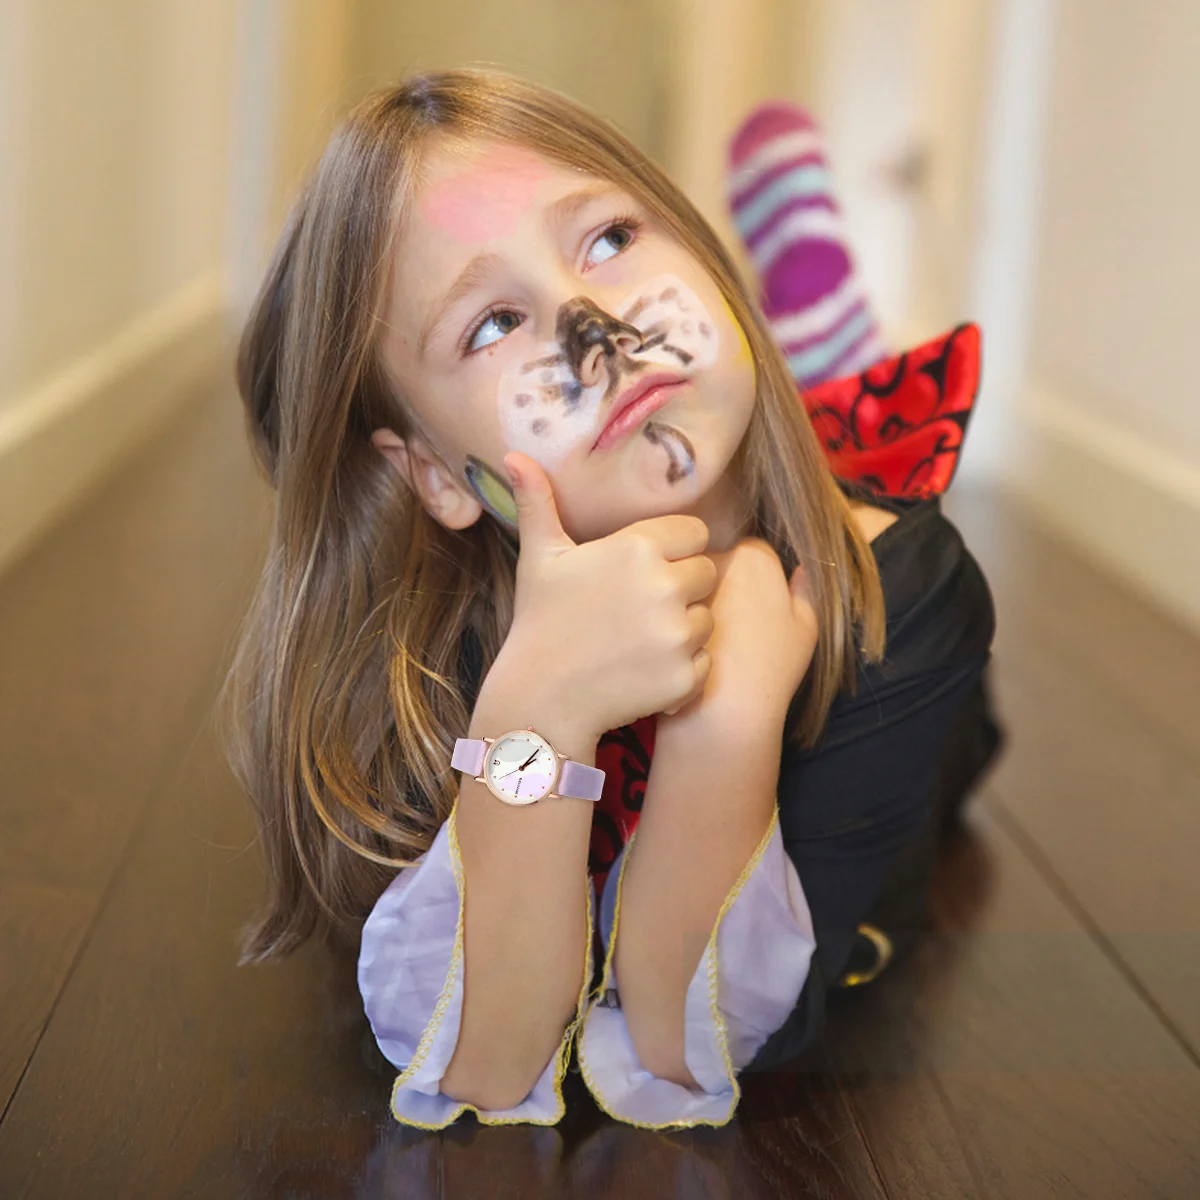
520, 767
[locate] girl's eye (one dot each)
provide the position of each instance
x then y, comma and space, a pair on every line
492, 328
610, 243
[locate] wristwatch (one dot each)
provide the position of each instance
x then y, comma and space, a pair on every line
521, 767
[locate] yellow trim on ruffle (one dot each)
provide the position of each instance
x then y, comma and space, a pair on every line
714, 966
713, 973
562, 1054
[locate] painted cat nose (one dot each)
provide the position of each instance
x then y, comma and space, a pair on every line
590, 337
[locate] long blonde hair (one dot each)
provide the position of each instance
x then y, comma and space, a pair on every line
343, 700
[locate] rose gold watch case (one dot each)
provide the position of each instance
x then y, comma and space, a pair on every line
520, 803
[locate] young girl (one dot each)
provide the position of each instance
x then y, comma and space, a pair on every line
543, 479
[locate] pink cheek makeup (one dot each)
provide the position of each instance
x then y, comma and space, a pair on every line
487, 199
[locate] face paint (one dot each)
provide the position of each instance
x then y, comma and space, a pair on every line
743, 353
485, 199
546, 412
493, 491
681, 457
675, 323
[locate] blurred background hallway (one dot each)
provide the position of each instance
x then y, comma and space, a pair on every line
1027, 164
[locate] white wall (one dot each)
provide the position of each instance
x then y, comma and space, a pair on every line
1110, 422
1119, 281
117, 118
290, 87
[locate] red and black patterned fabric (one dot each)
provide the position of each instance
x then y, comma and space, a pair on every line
896, 428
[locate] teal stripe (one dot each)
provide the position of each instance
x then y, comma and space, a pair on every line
809, 180
817, 358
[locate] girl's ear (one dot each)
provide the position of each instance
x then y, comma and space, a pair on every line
444, 498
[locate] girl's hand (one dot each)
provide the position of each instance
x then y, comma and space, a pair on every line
764, 636
610, 630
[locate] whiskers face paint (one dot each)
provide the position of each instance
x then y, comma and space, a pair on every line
678, 330
546, 412
681, 457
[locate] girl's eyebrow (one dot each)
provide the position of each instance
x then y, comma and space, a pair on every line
566, 207
473, 274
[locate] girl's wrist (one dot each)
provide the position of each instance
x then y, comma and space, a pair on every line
718, 718
517, 691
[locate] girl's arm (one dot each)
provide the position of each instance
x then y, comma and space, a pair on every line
710, 797
475, 961
707, 929
526, 913
709, 801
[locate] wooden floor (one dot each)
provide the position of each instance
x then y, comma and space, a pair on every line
1043, 1042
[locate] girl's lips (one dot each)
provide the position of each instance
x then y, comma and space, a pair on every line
651, 394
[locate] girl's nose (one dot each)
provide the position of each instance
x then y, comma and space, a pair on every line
591, 337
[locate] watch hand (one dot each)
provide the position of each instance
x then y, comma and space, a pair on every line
521, 767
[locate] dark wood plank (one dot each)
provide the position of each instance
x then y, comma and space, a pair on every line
40, 930
1116, 637
1046, 1072
1101, 778
107, 630
1113, 812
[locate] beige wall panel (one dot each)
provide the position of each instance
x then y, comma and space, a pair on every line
117, 187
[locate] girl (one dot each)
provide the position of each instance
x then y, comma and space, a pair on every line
542, 473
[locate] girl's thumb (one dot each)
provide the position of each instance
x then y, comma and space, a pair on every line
538, 523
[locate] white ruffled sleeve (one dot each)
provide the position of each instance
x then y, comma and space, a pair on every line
410, 975
747, 982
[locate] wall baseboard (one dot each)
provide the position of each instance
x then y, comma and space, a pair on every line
65, 436
1131, 505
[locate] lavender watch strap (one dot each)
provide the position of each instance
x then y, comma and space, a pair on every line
579, 780
576, 779
468, 755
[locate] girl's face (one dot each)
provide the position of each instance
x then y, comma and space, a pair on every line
529, 302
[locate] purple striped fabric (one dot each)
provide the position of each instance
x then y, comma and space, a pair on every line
866, 351
835, 326
782, 201
779, 214
768, 174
